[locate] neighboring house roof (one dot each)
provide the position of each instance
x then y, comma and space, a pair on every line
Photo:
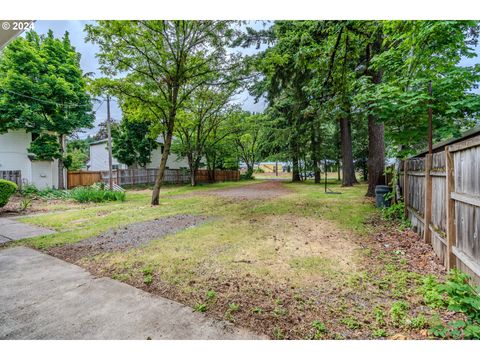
159, 140
440, 146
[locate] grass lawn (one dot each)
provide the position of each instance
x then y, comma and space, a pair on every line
303, 265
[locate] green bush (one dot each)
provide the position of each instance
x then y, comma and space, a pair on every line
458, 295
92, 194
7, 189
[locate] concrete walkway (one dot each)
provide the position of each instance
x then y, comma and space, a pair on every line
14, 230
42, 297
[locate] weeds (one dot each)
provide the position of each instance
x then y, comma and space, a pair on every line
379, 333
398, 311
319, 328
456, 294
232, 308
147, 275
200, 308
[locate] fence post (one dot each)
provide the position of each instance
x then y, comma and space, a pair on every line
405, 187
451, 231
427, 213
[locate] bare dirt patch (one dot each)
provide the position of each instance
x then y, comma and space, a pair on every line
126, 237
302, 249
264, 190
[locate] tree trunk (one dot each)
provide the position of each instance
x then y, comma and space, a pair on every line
348, 170
294, 148
315, 155
61, 165
161, 170
376, 136
376, 155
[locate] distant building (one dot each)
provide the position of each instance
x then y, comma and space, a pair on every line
99, 158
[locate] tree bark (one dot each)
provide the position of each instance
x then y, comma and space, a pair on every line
61, 165
315, 155
348, 170
193, 171
295, 151
161, 170
376, 155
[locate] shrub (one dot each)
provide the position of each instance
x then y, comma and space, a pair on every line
7, 189
92, 194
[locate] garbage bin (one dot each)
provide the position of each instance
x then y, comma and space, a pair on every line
380, 192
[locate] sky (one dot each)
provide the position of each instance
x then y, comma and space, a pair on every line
89, 63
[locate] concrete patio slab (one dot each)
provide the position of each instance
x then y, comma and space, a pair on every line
43, 297
14, 230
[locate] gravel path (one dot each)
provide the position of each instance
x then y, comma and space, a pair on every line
127, 237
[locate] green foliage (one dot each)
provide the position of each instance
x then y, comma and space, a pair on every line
161, 63
80, 194
200, 307
418, 322
45, 147
457, 295
25, 203
91, 194
319, 328
211, 295
132, 143
379, 333
7, 189
75, 160
257, 310
351, 323
398, 311
46, 194
43, 87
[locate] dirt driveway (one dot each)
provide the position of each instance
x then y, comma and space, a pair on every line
266, 190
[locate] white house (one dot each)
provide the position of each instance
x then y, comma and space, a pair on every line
14, 156
99, 158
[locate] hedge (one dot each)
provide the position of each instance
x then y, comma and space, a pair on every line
7, 188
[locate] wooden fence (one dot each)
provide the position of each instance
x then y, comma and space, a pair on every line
12, 175
83, 178
442, 201
171, 176
204, 176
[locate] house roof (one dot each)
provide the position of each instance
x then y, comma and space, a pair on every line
159, 140
440, 146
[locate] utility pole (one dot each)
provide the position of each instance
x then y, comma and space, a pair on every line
430, 125
109, 133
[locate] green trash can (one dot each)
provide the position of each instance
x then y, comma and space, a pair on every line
380, 192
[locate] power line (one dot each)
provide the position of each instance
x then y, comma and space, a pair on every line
99, 106
46, 101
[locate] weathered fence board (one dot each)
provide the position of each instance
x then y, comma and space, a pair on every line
443, 203
12, 175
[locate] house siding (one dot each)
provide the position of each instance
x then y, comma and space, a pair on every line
14, 156
99, 159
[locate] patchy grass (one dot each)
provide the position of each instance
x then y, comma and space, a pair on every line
304, 265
